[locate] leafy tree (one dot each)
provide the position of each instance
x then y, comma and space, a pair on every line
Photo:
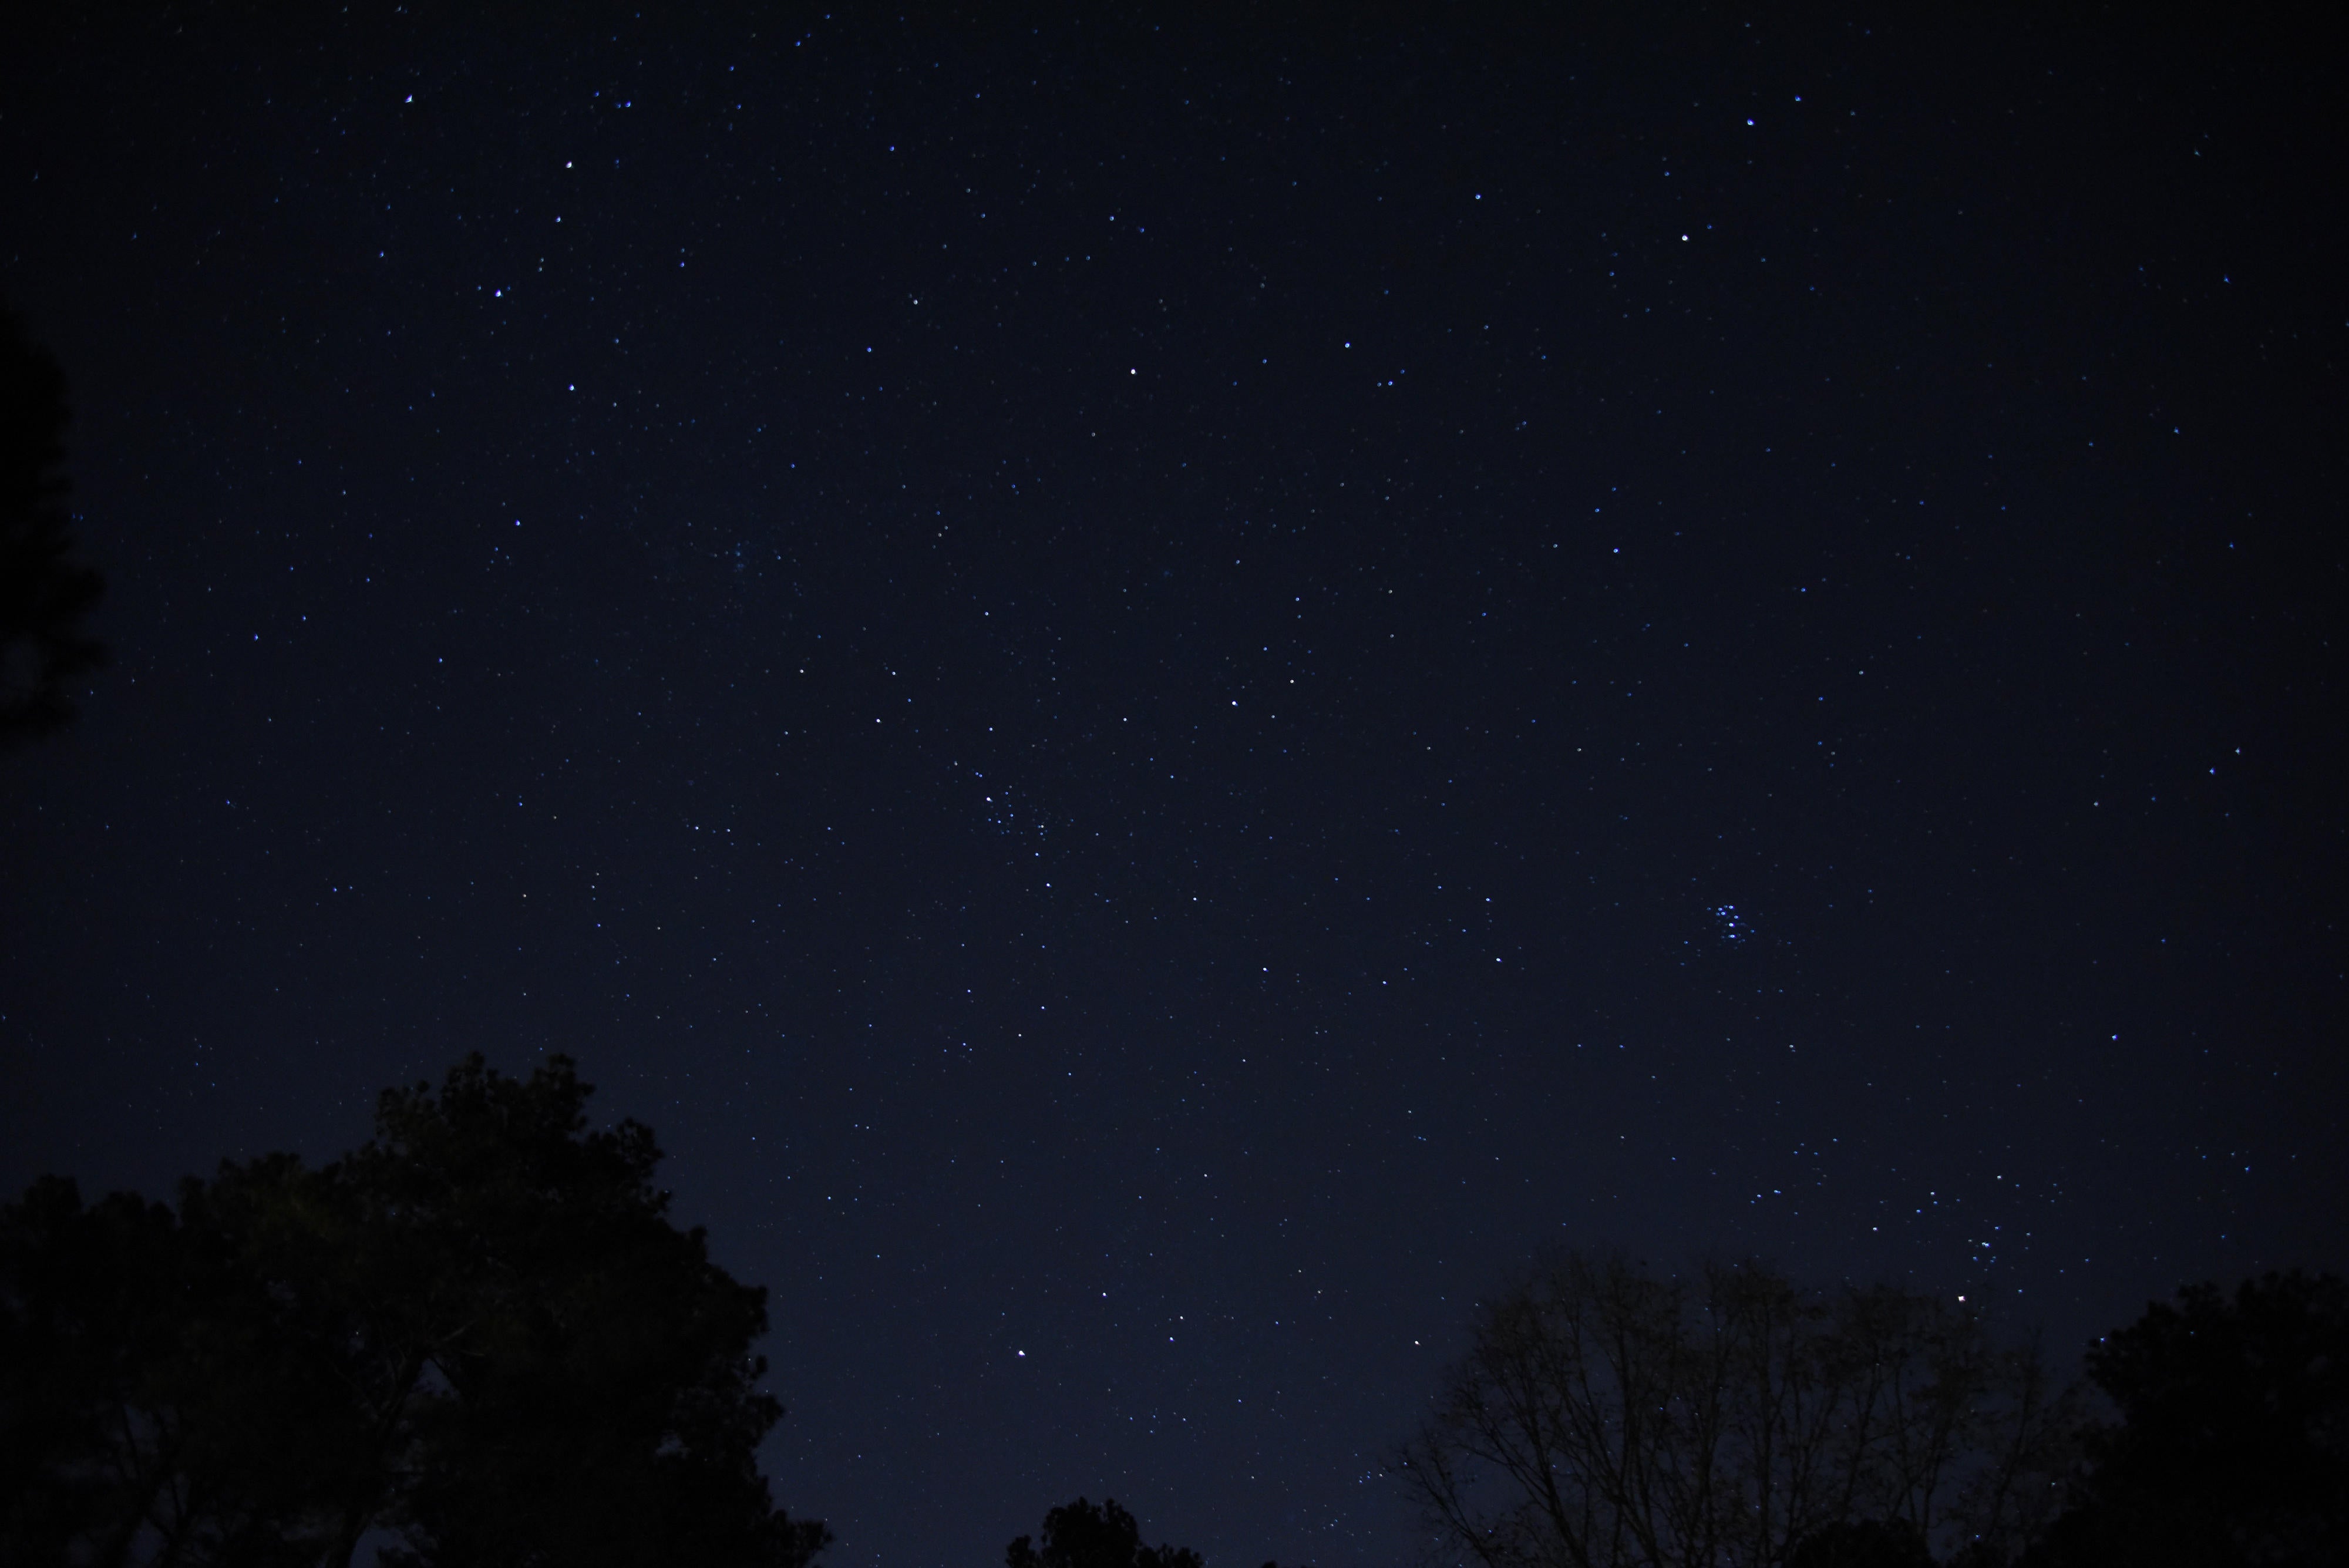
1079, 1535
479, 1334
2232, 1445
44, 592
1607, 1416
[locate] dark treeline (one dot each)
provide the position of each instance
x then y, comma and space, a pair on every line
476, 1340
479, 1339
45, 593
1606, 1416
1079, 1535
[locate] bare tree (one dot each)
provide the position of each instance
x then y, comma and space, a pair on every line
1606, 1416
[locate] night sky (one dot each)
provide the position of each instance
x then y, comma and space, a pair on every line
1166, 692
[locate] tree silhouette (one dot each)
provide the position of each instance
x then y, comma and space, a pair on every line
1079, 1535
44, 592
479, 1333
1605, 1414
1862, 1543
2232, 1441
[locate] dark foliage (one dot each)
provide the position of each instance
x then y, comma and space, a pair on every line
44, 592
1079, 1535
479, 1333
2232, 1442
1863, 1543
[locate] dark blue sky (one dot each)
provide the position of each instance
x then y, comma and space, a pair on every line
1163, 693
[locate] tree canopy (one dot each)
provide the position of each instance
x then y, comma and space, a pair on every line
1079, 1535
480, 1340
2230, 1441
478, 1335
44, 591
